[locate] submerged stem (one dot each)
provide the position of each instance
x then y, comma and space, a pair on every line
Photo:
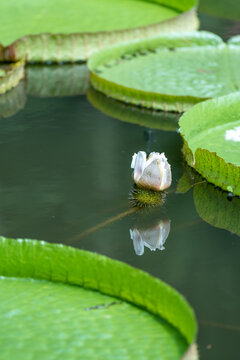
220, 325
104, 223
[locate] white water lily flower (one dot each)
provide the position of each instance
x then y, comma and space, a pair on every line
153, 238
152, 173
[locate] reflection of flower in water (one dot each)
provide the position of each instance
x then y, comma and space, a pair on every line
153, 238
233, 134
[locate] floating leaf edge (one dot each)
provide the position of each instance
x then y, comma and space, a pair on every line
208, 163
143, 98
212, 205
13, 76
28, 258
80, 46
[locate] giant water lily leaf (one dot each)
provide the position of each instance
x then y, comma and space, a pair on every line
189, 179
11, 75
37, 293
235, 40
94, 24
132, 114
211, 132
186, 181
216, 208
57, 80
170, 72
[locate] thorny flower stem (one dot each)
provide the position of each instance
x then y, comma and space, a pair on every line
112, 219
104, 223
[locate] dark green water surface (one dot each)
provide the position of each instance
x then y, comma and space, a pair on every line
65, 171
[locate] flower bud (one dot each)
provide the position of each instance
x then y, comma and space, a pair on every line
152, 173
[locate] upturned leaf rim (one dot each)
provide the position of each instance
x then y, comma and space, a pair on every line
26, 258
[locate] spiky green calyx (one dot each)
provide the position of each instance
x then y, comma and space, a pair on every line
146, 198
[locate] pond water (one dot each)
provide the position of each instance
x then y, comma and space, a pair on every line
65, 177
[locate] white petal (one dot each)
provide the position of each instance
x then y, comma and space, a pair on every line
151, 177
137, 241
139, 165
133, 161
166, 175
152, 156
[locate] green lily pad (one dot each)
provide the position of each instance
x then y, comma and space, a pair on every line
211, 140
169, 72
57, 80
186, 181
13, 101
89, 305
93, 25
132, 114
11, 75
189, 179
216, 208
235, 40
